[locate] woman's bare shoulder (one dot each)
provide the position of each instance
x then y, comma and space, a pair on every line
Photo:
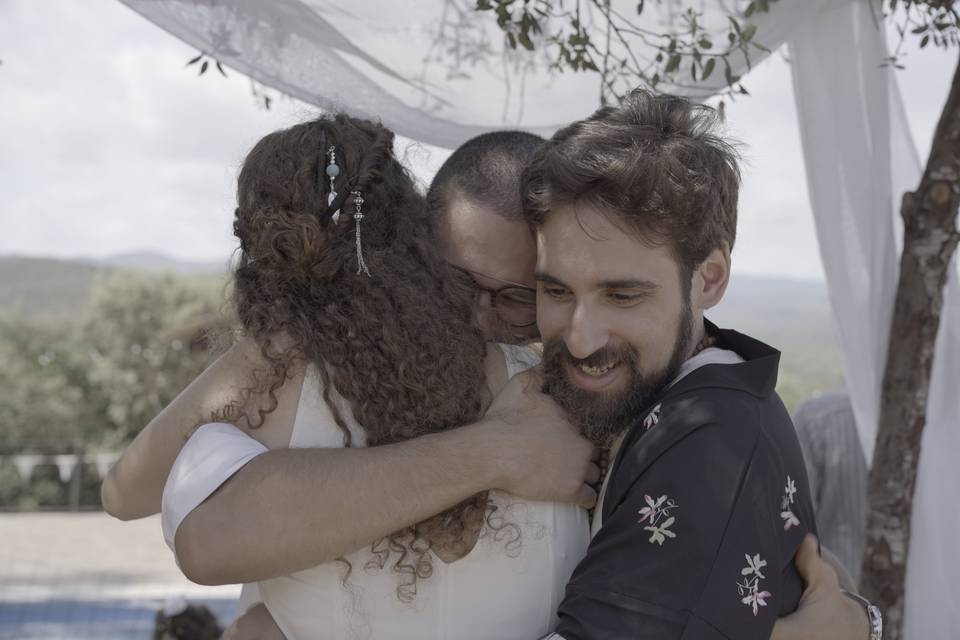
238, 387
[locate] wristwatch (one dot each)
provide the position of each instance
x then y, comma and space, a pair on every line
873, 614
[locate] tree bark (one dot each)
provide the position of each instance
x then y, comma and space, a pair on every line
930, 238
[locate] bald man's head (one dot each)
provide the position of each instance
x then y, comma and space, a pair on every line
476, 206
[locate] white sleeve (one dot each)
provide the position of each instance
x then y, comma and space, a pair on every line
209, 458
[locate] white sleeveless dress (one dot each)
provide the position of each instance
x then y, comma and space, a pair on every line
502, 589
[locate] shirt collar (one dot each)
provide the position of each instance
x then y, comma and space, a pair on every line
757, 374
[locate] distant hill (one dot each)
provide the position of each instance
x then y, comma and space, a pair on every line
793, 316
154, 262
776, 309
51, 286
46, 285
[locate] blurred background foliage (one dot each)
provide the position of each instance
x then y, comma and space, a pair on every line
90, 356
92, 351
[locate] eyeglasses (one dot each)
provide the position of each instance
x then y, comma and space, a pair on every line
515, 303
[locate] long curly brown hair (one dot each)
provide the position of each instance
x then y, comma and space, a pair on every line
400, 345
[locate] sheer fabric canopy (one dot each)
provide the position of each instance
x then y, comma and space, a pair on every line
433, 72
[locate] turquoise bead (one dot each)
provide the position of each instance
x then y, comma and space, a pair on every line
333, 170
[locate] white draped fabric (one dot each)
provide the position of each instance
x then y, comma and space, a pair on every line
421, 68
431, 70
860, 158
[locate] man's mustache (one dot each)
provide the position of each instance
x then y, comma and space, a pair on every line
555, 351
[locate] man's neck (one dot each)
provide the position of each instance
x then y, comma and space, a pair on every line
700, 340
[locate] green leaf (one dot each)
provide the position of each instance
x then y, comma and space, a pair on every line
920, 29
705, 43
525, 40
640, 7
750, 9
503, 15
744, 91
483, 5
220, 69
736, 25
748, 32
512, 40
672, 64
708, 68
728, 73
924, 40
194, 60
203, 67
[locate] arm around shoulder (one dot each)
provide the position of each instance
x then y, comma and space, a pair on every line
133, 487
316, 505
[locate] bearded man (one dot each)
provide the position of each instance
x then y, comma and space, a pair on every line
707, 500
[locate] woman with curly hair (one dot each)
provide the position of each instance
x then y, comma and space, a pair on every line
356, 333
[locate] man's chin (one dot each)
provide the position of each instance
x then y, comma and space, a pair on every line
600, 417
602, 433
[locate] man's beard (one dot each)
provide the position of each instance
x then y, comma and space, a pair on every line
602, 416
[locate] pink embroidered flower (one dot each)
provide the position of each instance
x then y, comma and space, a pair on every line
749, 586
791, 489
652, 508
754, 565
756, 600
789, 520
659, 534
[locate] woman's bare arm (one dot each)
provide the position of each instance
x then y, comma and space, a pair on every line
314, 505
133, 487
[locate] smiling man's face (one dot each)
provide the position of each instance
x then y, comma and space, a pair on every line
615, 318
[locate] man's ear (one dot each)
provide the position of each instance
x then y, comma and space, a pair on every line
710, 279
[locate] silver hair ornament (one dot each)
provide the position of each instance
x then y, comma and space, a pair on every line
357, 217
332, 171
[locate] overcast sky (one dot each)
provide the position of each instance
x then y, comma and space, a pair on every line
110, 146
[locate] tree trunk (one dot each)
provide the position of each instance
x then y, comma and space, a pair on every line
930, 238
